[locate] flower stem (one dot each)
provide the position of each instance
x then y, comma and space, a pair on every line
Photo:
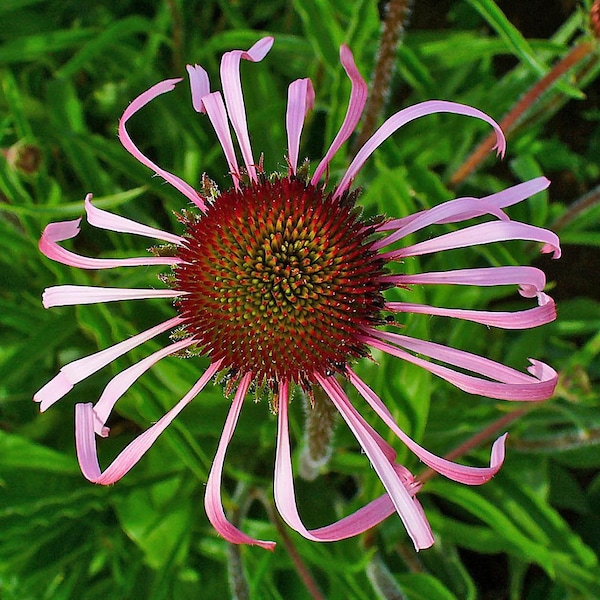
396, 13
318, 433
577, 208
238, 584
516, 113
303, 571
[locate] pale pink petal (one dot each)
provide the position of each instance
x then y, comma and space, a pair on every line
86, 440
105, 220
531, 280
212, 498
484, 233
440, 214
402, 118
68, 295
234, 98
523, 319
215, 109
456, 472
358, 98
507, 384
301, 99
358, 522
200, 86
65, 230
409, 512
119, 384
80, 369
366, 517
141, 101
502, 199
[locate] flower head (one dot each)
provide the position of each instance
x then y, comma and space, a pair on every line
282, 283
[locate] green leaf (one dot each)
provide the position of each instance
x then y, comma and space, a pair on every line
37, 47
20, 453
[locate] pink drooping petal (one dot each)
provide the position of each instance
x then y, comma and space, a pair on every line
301, 99
80, 369
66, 230
408, 510
234, 98
456, 472
484, 233
531, 280
523, 319
402, 118
199, 85
212, 497
85, 438
439, 214
358, 522
500, 200
501, 382
285, 496
215, 109
69, 295
141, 101
358, 98
105, 220
119, 384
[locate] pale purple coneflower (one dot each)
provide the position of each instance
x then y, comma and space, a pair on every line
281, 283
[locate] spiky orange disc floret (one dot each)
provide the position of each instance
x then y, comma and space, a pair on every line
280, 280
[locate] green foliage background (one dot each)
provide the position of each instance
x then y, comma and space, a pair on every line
67, 71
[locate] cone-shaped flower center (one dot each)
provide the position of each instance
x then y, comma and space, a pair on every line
280, 280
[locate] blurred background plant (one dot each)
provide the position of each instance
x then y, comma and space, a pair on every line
67, 71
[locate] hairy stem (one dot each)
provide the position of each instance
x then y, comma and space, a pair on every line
396, 13
318, 434
238, 584
303, 571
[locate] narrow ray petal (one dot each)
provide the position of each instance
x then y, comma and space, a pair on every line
523, 319
212, 497
454, 471
199, 85
531, 280
80, 369
119, 384
215, 109
500, 200
301, 99
66, 230
440, 214
234, 98
407, 509
405, 116
69, 295
141, 101
356, 104
86, 440
106, 220
484, 233
508, 383
354, 524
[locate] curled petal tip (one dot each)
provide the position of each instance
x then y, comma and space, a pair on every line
53, 391
550, 248
345, 52
262, 47
500, 146
498, 452
200, 86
